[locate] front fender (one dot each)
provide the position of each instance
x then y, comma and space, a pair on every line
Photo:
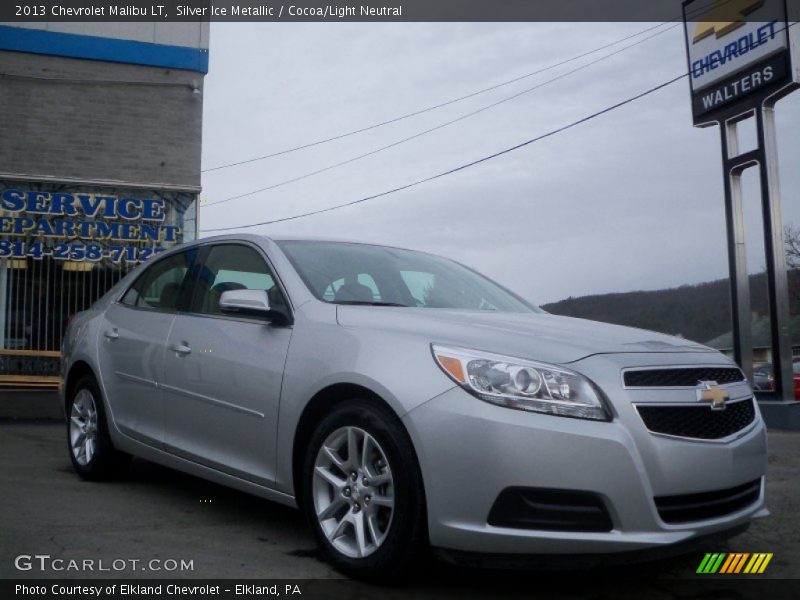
395, 366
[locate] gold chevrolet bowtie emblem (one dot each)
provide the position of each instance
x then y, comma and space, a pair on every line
723, 17
709, 391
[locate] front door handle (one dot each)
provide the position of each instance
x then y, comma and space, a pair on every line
112, 334
182, 348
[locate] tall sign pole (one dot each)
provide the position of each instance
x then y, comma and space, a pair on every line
743, 56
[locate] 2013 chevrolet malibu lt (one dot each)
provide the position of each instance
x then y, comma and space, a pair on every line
402, 400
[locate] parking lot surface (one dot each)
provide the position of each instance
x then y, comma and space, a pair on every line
157, 513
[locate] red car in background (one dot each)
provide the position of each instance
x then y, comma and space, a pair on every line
764, 378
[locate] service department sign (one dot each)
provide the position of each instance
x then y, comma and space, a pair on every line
86, 226
735, 49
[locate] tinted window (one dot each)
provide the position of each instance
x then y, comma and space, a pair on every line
344, 273
162, 285
232, 267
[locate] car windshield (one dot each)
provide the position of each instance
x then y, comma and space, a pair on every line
347, 273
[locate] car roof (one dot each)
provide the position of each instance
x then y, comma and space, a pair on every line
256, 237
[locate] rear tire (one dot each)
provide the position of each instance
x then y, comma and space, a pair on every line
362, 492
90, 449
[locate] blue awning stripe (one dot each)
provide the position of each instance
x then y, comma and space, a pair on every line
18, 39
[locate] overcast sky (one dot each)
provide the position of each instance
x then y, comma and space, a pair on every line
631, 200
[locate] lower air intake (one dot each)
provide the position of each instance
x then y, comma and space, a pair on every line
707, 505
550, 510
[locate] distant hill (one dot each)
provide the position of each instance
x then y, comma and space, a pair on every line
698, 312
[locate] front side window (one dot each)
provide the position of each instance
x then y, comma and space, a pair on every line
343, 273
229, 267
163, 285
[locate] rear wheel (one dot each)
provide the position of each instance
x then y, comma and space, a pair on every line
90, 449
363, 493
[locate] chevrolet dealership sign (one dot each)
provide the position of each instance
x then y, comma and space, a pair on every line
737, 49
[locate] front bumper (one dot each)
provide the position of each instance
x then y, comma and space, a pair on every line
470, 451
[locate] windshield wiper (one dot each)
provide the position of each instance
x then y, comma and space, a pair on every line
369, 303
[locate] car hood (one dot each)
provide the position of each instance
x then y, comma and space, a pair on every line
535, 336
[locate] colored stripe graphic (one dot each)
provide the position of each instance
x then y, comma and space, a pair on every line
741, 562
758, 563
717, 564
765, 563
711, 562
751, 565
727, 564
703, 563
734, 563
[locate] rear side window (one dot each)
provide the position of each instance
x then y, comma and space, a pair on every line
162, 286
229, 267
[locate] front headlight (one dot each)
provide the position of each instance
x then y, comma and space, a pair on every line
521, 384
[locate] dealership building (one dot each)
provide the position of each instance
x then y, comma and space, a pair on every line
99, 170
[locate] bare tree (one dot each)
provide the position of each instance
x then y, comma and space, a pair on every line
791, 237
791, 240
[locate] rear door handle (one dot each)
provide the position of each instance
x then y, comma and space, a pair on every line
112, 334
182, 348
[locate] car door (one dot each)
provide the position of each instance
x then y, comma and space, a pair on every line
223, 373
133, 343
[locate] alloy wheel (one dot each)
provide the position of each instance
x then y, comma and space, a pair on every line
83, 427
353, 491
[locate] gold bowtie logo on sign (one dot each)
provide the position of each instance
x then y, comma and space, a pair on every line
724, 17
709, 391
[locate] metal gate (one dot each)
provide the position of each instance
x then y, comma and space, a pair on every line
39, 297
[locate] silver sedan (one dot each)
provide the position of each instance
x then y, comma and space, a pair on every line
402, 400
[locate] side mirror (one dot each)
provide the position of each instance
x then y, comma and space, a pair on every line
245, 302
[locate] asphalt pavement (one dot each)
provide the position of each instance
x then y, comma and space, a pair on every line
158, 514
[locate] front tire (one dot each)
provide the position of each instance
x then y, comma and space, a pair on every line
90, 449
363, 492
